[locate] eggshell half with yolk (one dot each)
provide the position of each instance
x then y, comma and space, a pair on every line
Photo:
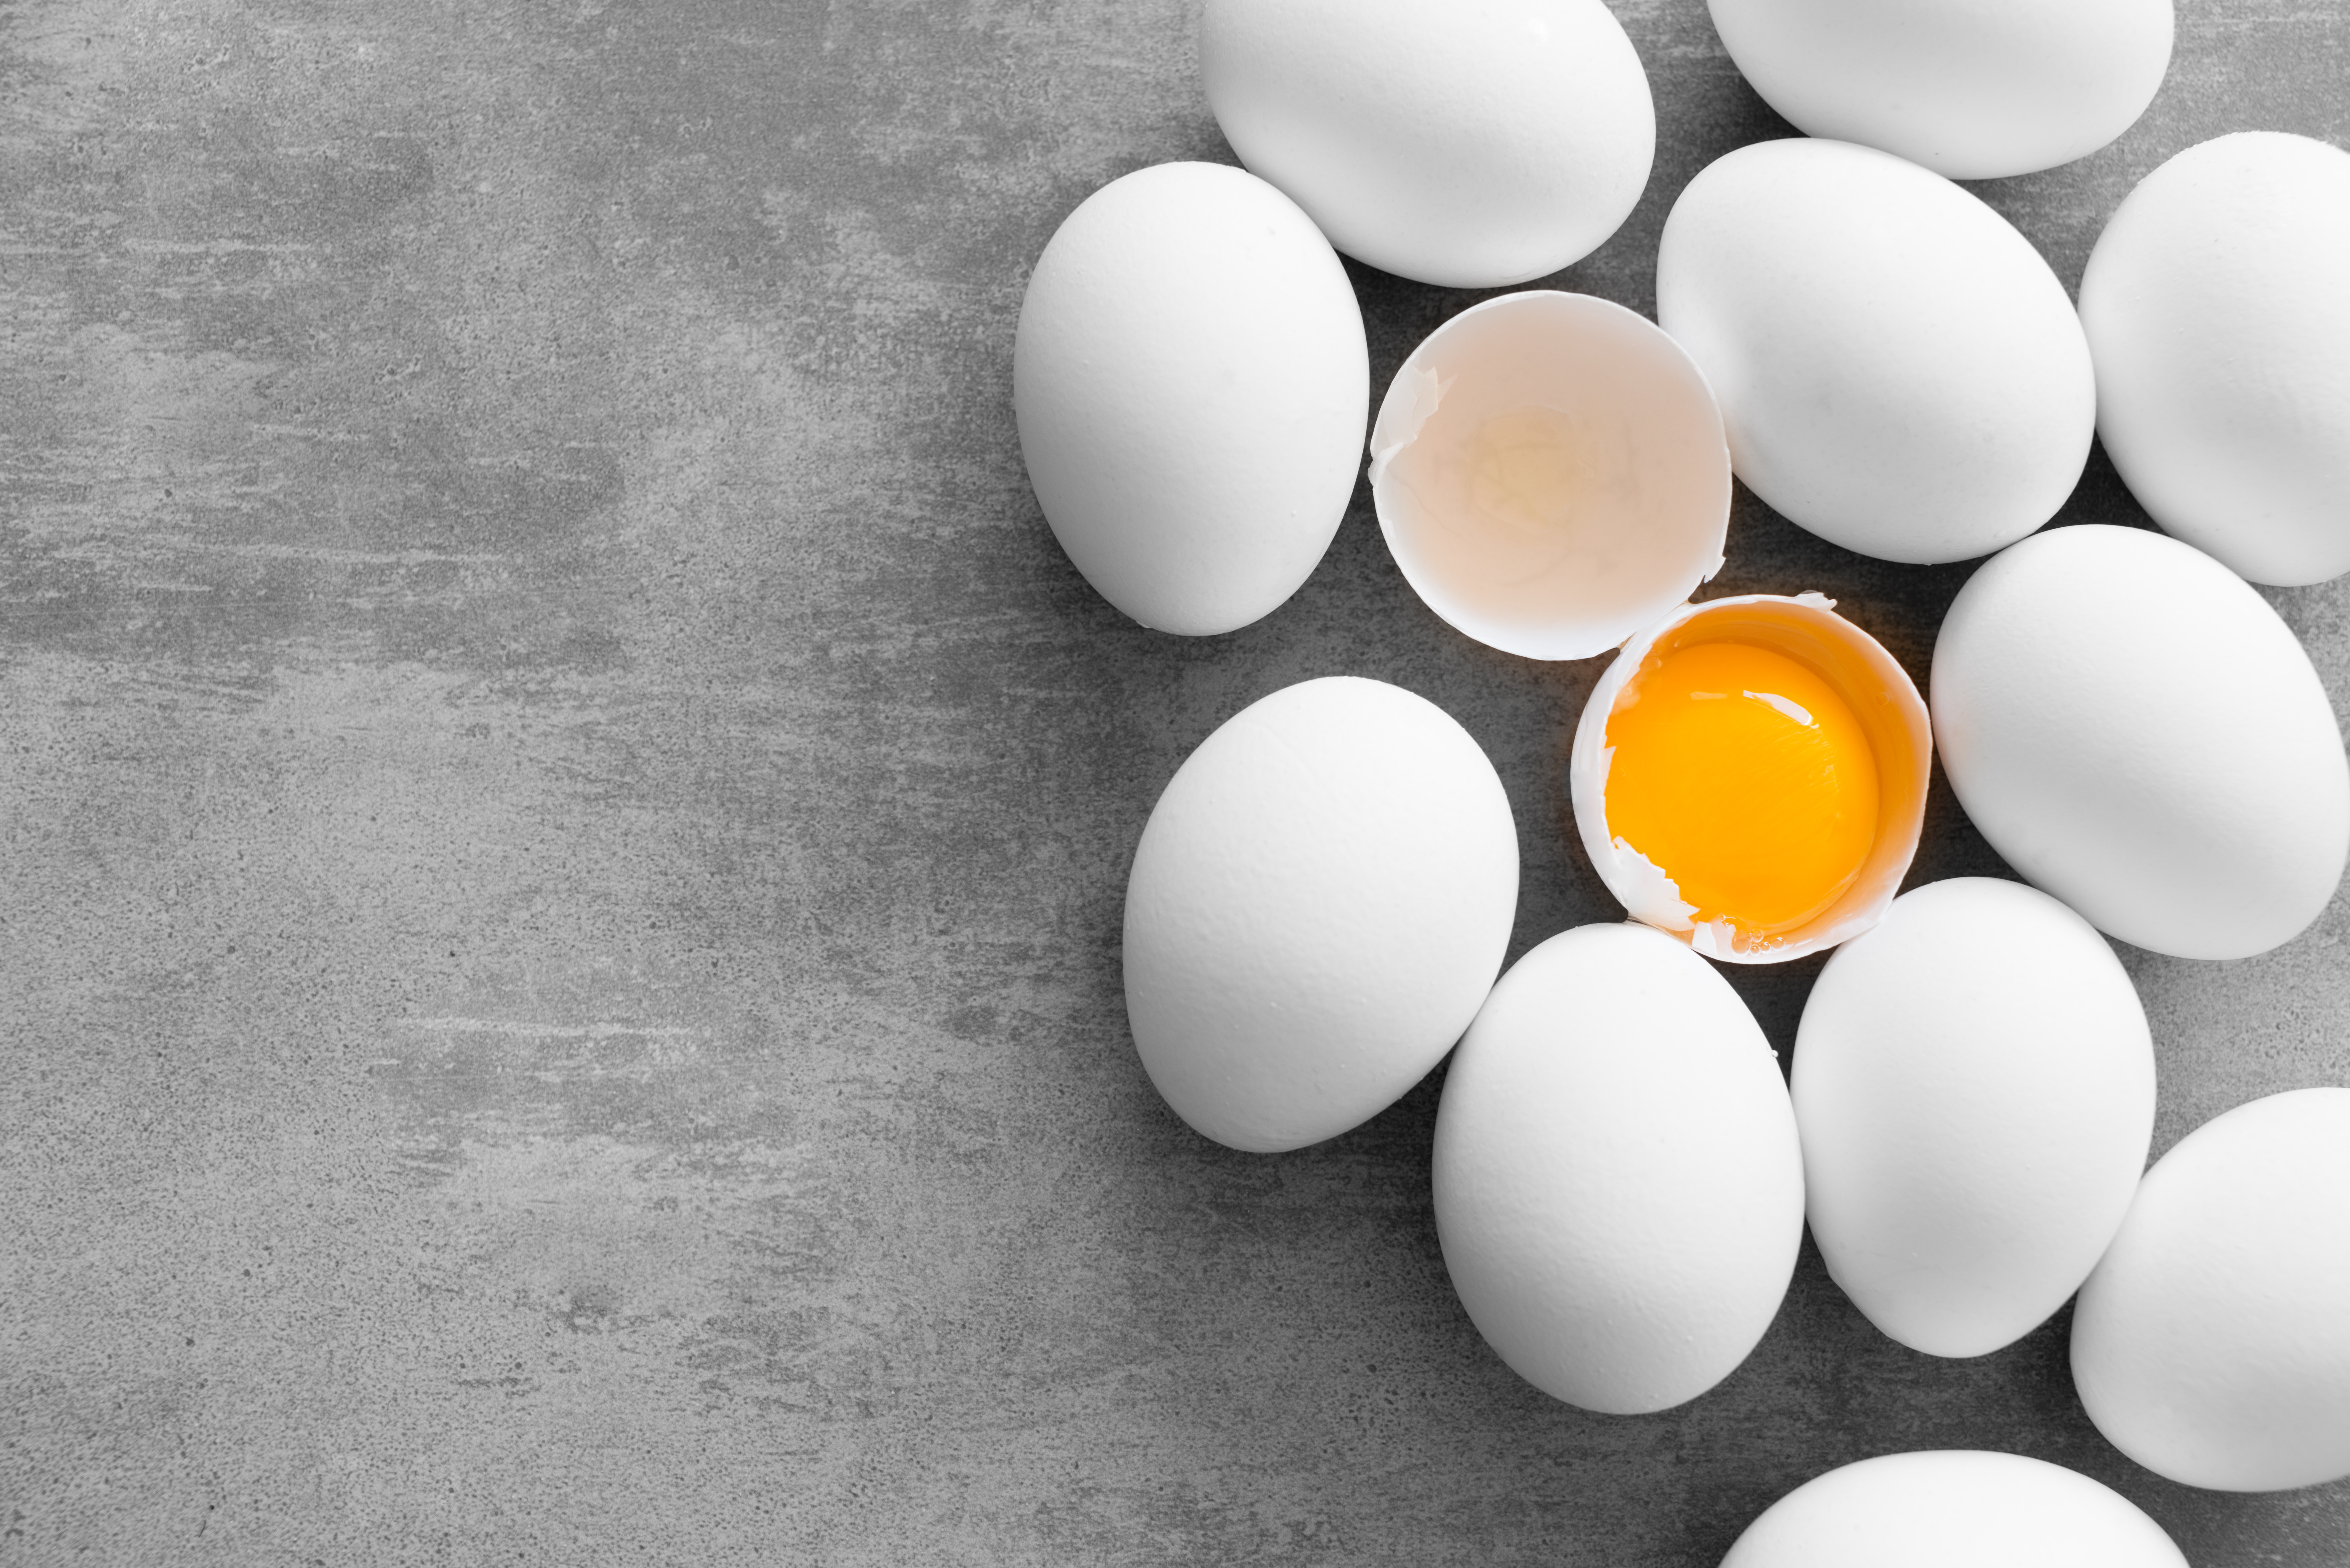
1771, 743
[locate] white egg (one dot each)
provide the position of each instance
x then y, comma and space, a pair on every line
2137, 733
1320, 901
1970, 88
1953, 1508
1974, 1085
2216, 312
1898, 371
1192, 386
1470, 144
1618, 1191
2212, 1344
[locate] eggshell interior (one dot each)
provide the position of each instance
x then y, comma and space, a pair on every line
1872, 682
1641, 450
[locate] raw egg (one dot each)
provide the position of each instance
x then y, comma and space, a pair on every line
1898, 369
1550, 473
2217, 316
1973, 89
1468, 146
1618, 1189
2212, 1344
1953, 1508
2139, 733
1749, 776
1190, 380
1320, 902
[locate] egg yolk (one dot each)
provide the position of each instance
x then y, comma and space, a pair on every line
1744, 777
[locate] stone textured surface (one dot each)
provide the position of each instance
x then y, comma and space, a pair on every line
564, 823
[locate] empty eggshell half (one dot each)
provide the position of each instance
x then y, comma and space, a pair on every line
1551, 475
1880, 696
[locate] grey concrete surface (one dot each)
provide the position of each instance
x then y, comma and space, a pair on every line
564, 823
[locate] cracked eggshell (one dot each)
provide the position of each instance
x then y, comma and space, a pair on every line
2137, 733
1953, 1508
2216, 313
1468, 145
1191, 382
1644, 515
1973, 89
1320, 901
1619, 1190
1898, 371
1974, 1083
1881, 694
2212, 1344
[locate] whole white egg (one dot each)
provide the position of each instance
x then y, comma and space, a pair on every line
1619, 1190
1320, 901
1974, 89
1953, 1508
1192, 386
2212, 1344
1469, 144
1974, 1085
2137, 733
2217, 317
1898, 371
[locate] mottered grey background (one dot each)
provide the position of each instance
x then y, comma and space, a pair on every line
563, 823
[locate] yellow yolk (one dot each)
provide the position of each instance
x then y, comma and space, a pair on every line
1744, 777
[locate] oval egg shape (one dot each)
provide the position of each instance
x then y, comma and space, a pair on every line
1619, 1190
1974, 1085
1320, 903
1192, 386
1953, 1508
2138, 734
1898, 371
1973, 89
2217, 316
1468, 146
2212, 1344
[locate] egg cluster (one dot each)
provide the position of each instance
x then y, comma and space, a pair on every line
1322, 899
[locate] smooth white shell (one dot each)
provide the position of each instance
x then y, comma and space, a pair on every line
1470, 144
1898, 371
1953, 1508
1974, 1084
2212, 1344
1652, 510
1321, 900
2136, 732
2217, 313
1973, 89
1191, 385
1619, 1190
